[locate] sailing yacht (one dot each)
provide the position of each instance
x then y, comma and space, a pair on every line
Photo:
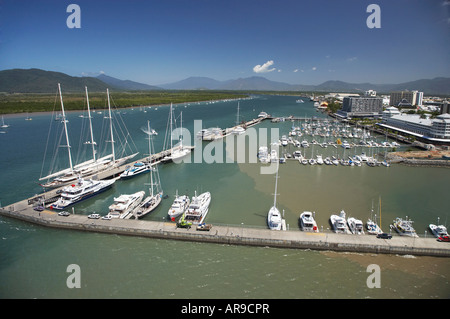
155, 196
274, 217
124, 205
198, 208
177, 153
82, 190
372, 226
3, 124
238, 129
179, 206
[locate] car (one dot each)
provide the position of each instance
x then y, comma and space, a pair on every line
94, 216
384, 236
39, 208
107, 217
443, 238
63, 213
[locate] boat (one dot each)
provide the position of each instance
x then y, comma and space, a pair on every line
134, 170
3, 124
299, 101
210, 134
355, 226
198, 208
263, 154
274, 220
180, 151
345, 144
404, 227
273, 156
179, 206
307, 222
297, 154
339, 223
438, 230
124, 205
304, 161
304, 143
284, 141
263, 114
312, 161
319, 159
80, 191
155, 194
89, 167
372, 226
238, 129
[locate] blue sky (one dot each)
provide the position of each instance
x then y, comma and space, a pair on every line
295, 41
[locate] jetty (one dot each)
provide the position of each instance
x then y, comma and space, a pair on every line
230, 235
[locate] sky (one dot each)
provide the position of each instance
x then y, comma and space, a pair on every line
292, 41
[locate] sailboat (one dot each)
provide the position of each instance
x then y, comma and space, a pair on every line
154, 199
274, 217
89, 167
372, 226
238, 129
3, 124
177, 153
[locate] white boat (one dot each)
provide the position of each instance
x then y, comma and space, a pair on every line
300, 101
273, 156
198, 208
274, 220
327, 161
438, 230
88, 167
238, 129
179, 152
124, 205
179, 206
345, 144
263, 115
210, 134
339, 223
263, 154
355, 225
373, 228
3, 124
312, 161
134, 170
304, 161
319, 159
404, 227
82, 190
155, 193
284, 141
304, 143
307, 222
297, 154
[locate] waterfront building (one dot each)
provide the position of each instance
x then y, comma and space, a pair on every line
364, 106
445, 108
402, 98
370, 93
435, 130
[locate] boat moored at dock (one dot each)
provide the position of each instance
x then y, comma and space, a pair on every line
355, 226
198, 208
124, 205
404, 227
339, 223
307, 222
179, 206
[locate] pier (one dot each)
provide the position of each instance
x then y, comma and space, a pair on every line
231, 235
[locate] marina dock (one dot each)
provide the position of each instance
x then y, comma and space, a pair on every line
232, 235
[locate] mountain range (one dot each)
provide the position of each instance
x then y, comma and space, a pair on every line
41, 81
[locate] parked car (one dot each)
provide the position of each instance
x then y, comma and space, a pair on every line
444, 238
94, 216
384, 236
63, 213
107, 217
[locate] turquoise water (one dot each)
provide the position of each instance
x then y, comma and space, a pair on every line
34, 259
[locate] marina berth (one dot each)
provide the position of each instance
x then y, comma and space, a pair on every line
124, 205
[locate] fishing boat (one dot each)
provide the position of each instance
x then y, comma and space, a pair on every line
179, 206
124, 205
307, 222
80, 191
355, 226
198, 208
155, 191
339, 223
274, 219
404, 227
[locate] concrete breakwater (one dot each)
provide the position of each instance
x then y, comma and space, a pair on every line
233, 235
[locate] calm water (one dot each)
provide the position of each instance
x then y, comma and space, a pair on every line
34, 259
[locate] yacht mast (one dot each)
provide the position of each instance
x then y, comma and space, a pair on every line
90, 126
111, 127
65, 128
276, 185
149, 157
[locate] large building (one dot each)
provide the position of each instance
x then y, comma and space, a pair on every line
364, 106
403, 98
435, 130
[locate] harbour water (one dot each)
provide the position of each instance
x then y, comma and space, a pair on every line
34, 259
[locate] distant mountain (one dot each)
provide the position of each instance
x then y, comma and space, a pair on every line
126, 84
40, 81
438, 85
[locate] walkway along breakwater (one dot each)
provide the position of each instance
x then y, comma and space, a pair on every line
232, 235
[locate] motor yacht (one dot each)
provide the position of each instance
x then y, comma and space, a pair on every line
355, 226
179, 206
404, 227
307, 222
198, 208
339, 223
124, 205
